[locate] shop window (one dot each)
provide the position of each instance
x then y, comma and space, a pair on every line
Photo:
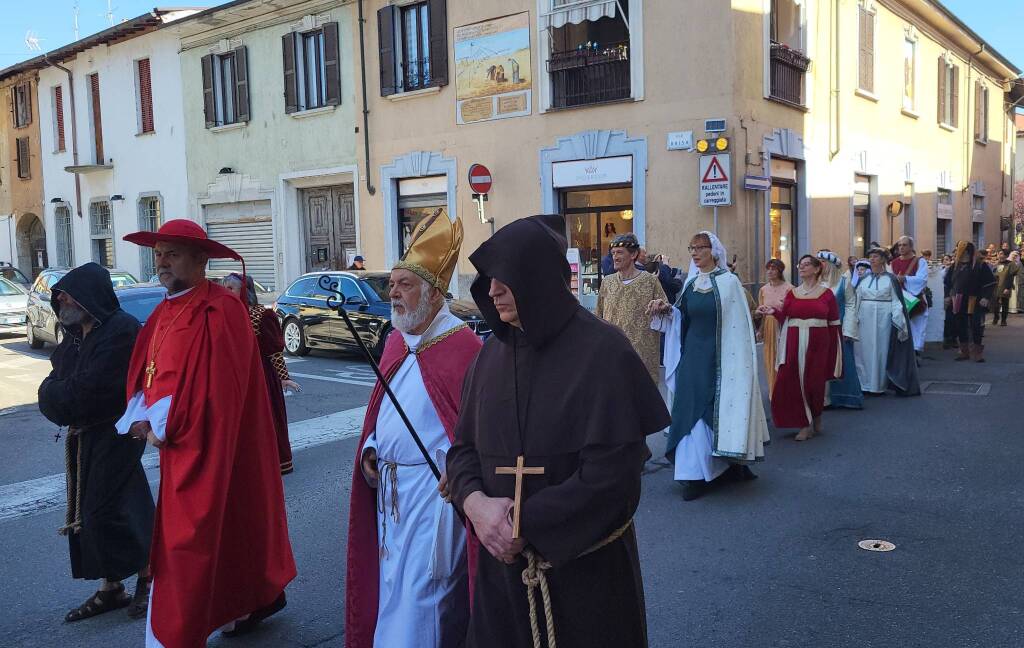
64, 239
101, 233
312, 68
149, 221
782, 221
589, 59
413, 46
593, 218
226, 88
862, 215
788, 61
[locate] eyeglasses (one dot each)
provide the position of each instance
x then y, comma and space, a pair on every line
694, 248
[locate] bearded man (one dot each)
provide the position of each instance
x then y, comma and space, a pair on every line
407, 582
196, 389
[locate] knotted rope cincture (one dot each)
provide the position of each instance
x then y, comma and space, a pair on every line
73, 516
534, 577
388, 478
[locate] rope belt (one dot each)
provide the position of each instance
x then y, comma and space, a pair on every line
534, 577
73, 516
388, 482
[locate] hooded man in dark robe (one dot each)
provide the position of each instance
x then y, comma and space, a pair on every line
531, 399
110, 508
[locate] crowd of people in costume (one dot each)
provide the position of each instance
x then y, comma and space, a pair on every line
470, 522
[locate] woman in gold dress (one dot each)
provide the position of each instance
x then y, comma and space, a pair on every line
772, 295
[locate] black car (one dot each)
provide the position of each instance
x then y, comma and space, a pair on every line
40, 321
309, 324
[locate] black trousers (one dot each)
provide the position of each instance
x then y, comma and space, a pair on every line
970, 328
1002, 309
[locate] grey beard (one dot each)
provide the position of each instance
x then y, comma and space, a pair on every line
73, 316
411, 319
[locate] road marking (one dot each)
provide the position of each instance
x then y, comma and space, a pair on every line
347, 381
46, 494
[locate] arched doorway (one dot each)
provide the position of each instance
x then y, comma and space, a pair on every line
31, 244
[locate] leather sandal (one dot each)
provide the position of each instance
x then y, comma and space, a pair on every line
100, 602
140, 601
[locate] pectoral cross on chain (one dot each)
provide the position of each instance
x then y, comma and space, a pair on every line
150, 372
519, 470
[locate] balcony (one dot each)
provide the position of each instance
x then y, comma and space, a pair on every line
787, 66
589, 75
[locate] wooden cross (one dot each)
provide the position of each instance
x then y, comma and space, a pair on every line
150, 372
519, 470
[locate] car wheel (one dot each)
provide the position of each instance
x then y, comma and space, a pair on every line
295, 339
30, 333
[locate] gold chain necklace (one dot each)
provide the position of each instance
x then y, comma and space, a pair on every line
154, 347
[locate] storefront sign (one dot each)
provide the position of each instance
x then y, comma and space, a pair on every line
602, 171
715, 186
423, 186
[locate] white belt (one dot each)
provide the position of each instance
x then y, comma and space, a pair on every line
804, 327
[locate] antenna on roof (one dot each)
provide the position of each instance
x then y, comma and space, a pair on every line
75, 11
32, 41
110, 13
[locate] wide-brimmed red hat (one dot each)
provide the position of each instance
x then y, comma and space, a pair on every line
186, 232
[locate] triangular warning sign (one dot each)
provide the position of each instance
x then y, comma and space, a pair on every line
716, 172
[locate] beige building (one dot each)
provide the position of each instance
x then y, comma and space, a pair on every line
22, 234
835, 110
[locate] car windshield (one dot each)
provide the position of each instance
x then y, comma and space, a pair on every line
122, 280
379, 286
13, 274
140, 306
7, 289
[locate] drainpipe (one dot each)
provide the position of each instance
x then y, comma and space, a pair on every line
366, 111
74, 132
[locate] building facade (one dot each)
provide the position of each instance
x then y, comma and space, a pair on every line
269, 104
113, 153
22, 232
588, 109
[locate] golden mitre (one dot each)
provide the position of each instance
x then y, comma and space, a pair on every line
434, 249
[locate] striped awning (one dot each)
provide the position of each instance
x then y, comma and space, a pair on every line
564, 12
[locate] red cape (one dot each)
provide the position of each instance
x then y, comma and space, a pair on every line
220, 543
443, 367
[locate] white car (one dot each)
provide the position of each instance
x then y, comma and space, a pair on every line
13, 303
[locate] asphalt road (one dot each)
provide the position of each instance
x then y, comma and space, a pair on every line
772, 562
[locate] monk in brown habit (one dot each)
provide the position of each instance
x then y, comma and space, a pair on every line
541, 427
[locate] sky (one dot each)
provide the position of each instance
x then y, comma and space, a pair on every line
1000, 22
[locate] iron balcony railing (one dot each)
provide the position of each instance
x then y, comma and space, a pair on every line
416, 74
589, 74
787, 73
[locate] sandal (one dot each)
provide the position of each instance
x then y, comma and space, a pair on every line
100, 602
140, 601
248, 624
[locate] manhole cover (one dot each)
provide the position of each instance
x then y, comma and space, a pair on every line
876, 545
955, 388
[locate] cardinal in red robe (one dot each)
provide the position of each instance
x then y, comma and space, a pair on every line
196, 390
409, 555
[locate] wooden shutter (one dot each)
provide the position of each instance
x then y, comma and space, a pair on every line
145, 97
438, 19
386, 43
866, 60
942, 91
977, 109
954, 118
24, 160
209, 109
242, 84
332, 64
291, 90
58, 112
97, 118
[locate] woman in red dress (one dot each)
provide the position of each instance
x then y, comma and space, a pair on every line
810, 353
271, 342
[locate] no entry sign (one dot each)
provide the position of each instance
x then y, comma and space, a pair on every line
479, 178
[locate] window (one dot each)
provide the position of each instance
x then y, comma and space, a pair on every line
589, 62
909, 73
226, 88
312, 69
866, 48
944, 220
413, 46
787, 61
24, 152
149, 221
302, 287
21, 104
65, 249
978, 234
949, 93
57, 98
101, 233
981, 112
861, 215
97, 119
942, 236
144, 88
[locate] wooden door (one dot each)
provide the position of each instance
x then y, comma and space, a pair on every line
330, 220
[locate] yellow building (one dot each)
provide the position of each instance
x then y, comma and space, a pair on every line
850, 121
22, 236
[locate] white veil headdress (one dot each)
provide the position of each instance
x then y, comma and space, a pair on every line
717, 252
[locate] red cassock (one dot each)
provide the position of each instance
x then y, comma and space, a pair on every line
812, 350
271, 343
443, 367
220, 543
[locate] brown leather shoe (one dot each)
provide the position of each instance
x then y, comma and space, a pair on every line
964, 352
